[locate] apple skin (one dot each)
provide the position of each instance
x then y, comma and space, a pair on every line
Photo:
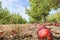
44, 32
56, 24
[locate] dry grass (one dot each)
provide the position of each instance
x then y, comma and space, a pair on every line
23, 32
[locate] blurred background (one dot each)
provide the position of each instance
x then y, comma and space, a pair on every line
29, 11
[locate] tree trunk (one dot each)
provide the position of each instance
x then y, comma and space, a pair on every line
43, 18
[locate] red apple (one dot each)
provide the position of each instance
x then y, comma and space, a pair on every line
56, 24
44, 32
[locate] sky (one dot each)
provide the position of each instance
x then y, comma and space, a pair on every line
18, 6
54, 11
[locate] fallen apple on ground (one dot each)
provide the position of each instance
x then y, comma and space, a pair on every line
44, 32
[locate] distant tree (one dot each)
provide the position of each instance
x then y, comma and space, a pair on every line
7, 18
17, 19
0, 4
54, 17
4, 13
40, 8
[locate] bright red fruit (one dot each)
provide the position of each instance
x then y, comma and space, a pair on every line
44, 32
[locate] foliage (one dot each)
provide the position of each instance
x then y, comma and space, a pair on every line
54, 17
40, 9
7, 18
32, 20
17, 19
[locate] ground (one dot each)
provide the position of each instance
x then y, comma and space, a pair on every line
25, 32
